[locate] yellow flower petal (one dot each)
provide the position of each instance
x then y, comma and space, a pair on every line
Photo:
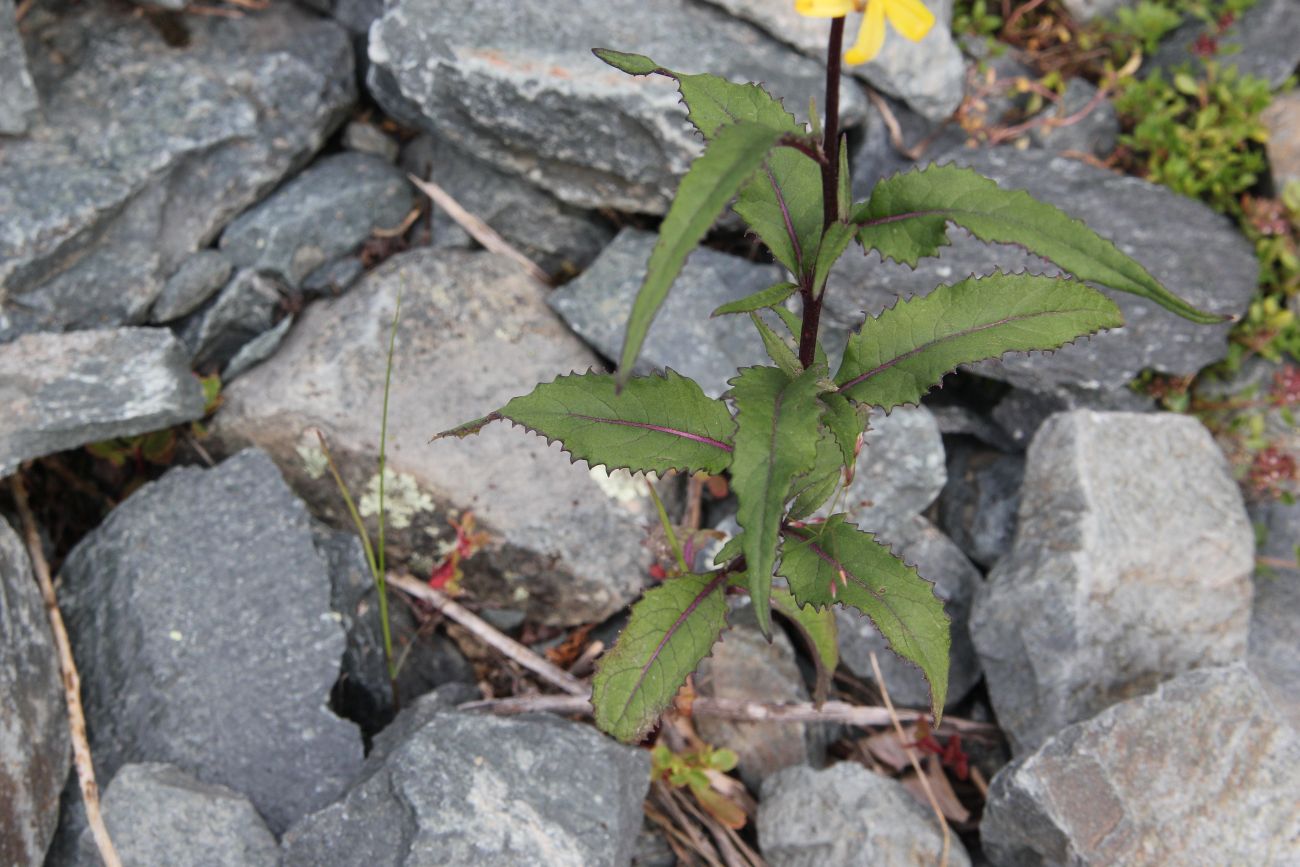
823, 8
910, 18
870, 36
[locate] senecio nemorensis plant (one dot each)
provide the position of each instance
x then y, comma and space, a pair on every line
789, 432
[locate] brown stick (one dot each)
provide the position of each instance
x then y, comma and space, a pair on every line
71, 680
491, 636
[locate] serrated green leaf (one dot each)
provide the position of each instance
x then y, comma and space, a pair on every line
632, 64
815, 487
907, 216
735, 153
730, 550
713, 103
655, 424
846, 422
783, 206
834, 242
778, 348
763, 298
907, 349
835, 562
776, 440
670, 631
820, 633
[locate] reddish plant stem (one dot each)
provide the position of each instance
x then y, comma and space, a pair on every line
812, 306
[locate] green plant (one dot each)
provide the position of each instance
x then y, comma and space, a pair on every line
700, 772
159, 447
789, 433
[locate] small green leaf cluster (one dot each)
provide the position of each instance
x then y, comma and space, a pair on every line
789, 432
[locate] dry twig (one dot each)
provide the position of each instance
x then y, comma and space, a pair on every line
71, 680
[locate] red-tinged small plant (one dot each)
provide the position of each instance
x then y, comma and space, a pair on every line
789, 433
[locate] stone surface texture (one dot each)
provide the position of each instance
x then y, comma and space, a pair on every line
928, 75
683, 336
490, 85
158, 814
956, 580
1198, 773
1282, 118
244, 309
199, 615
560, 238
34, 749
323, 213
61, 391
1093, 133
1264, 42
451, 788
1131, 564
18, 99
197, 279
98, 206
566, 543
1275, 621
847, 815
1196, 253
978, 506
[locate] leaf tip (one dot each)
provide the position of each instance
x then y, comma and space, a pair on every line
469, 428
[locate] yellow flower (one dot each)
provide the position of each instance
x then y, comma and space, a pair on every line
909, 17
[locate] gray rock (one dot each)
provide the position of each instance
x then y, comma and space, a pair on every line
927, 75
683, 337
366, 138
18, 99
199, 614
488, 84
198, 278
1085, 10
158, 814
323, 213
746, 666
1095, 133
959, 420
478, 789
900, 470
257, 350
1282, 118
978, 506
99, 206
475, 332
875, 156
1131, 564
34, 750
847, 816
334, 278
1264, 42
937, 560
357, 16
1275, 619
61, 391
1020, 413
244, 309
363, 692
1196, 253
1197, 773
560, 238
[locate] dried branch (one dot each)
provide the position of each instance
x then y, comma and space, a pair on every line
71, 680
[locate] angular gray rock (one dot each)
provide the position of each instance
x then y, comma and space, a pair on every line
1196, 253
1264, 42
846, 816
18, 99
61, 391
200, 619
978, 506
1275, 620
1131, 564
363, 692
1020, 413
366, 138
243, 310
597, 305
158, 814
1084, 10
746, 666
1095, 133
320, 215
566, 542
98, 206
928, 75
956, 581
34, 749
875, 157
1200, 772
1282, 118
257, 350
560, 238
456, 788
197, 279
493, 86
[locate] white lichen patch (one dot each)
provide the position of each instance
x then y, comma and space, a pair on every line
402, 499
629, 489
313, 457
